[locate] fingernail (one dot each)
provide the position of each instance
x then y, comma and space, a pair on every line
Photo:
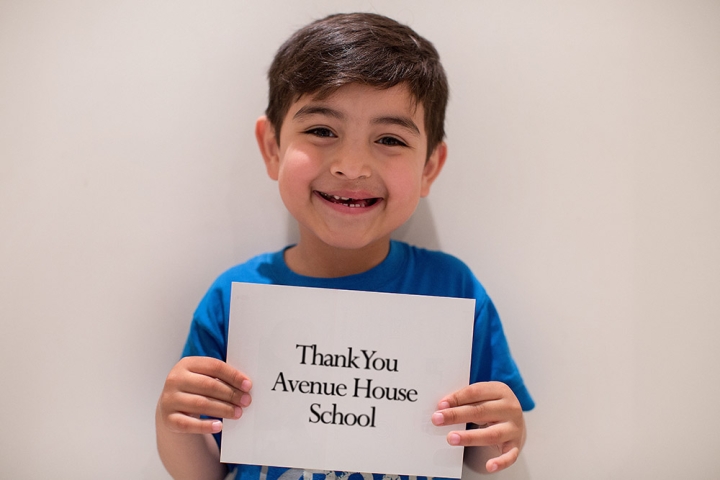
246, 385
245, 400
493, 467
216, 427
454, 439
437, 418
443, 405
238, 412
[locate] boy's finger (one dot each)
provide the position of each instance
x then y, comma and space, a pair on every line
479, 413
503, 461
199, 405
184, 424
215, 388
215, 368
482, 437
477, 392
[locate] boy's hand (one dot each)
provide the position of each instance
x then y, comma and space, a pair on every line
202, 386
493, 407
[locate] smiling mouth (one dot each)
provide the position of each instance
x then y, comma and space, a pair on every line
349, 202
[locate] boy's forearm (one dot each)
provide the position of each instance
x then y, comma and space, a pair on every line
188, 456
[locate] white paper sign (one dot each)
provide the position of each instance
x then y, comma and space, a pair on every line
347, 380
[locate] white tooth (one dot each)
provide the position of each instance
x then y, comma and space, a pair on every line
336, 197
344, 198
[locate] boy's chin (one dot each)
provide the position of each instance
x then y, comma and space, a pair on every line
356, 244
349, 243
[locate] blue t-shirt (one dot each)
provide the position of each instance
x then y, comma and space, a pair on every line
406, 269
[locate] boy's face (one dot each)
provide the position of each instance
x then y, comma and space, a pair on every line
351, 167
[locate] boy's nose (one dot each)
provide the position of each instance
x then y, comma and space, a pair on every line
351, 166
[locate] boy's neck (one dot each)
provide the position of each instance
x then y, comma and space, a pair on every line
314, 258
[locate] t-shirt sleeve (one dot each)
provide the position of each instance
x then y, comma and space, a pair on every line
208, 329
492, 360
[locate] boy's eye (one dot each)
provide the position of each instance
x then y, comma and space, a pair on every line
321, 132
392, 142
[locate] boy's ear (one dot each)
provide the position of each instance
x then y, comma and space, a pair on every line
268, 144
433, 166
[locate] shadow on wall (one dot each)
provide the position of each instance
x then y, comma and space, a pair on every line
420, 230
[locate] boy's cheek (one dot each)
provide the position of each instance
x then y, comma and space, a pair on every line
293, 184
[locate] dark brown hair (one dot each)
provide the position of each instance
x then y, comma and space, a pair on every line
362, 48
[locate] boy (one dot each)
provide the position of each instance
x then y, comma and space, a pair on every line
353, 134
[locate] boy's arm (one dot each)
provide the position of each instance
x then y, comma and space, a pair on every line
188, 456
496, 411
197, 386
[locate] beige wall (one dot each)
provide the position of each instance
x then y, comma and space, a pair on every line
583, 189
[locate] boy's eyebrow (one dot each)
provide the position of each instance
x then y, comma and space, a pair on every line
404, 122
401, 121
318, 110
